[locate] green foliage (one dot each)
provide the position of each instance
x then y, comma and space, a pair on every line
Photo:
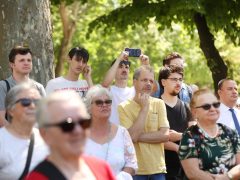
220, 15
156, 36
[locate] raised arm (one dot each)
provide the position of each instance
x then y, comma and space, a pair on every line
110, 75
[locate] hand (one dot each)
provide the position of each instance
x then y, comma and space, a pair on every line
87, 71
143, 100
123, 56
144, 59
174, 135
220, 176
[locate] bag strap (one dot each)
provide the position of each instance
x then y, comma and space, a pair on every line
29, 158
7, 84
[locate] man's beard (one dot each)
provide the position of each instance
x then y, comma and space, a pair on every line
174, 93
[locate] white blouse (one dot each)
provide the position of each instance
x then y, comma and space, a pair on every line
119, 152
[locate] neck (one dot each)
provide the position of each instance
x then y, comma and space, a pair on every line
20, 130
230, 104
169, 99
211, 128
65, 163
121, 83
71, 76
99, 125
20, 77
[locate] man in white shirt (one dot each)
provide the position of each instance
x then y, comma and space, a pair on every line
228, 95
120, 91
78, 59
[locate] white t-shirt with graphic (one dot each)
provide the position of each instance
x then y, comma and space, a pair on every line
60, 83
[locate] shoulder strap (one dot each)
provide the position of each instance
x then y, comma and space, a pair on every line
29, 158
196, 136
7, 84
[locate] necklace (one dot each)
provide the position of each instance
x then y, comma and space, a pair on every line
108, 142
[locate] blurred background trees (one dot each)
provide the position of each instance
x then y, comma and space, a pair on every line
158, 27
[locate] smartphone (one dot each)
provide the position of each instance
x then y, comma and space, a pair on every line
133, 52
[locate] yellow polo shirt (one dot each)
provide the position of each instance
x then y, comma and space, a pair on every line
150, 156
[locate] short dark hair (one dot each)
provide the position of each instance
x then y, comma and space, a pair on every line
18, 50
165, 72
171, 56
80, 53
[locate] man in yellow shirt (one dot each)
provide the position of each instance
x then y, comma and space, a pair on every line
146, 120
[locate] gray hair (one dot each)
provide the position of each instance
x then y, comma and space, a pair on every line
43, 115
93, 92
12, 95
138, 71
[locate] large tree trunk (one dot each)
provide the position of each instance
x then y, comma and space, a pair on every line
214, 60
27, 22
69, 15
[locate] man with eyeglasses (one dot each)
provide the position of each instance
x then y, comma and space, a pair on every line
119, 71
77, 61
64, 124
185, 93
146, 120
228, 96
178, 114
20, 61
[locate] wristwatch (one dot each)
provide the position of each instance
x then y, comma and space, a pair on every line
230, 177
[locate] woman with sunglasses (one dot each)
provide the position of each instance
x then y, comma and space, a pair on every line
19, 136
208, 148
64, 125
108, 141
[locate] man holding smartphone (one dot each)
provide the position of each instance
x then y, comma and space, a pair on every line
78, 59
120, 72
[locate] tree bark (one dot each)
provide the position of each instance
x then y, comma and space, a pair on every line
69, 27
214, 60
27, 22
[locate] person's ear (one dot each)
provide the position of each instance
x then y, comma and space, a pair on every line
163, 81
11, 65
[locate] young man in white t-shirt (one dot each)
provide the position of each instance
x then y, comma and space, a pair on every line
78, 58
120, 91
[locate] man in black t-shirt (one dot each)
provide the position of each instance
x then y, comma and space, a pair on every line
178, 114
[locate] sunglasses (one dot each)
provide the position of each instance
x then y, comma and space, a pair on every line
68, 124
27, 102
101, 102
208, 106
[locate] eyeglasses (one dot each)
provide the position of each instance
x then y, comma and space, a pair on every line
27, 102
101, 102
176, 79
68, 125
208, 106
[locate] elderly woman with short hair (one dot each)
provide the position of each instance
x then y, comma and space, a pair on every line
209, 149
19, 136
108, 141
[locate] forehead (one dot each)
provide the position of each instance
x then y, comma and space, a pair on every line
23, 56
145, 74
206, 98
229, 83
175, 75
63, 109
177, 61
29, 93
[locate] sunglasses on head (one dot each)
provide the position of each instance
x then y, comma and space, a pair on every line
68, 124
101, 102
27, 102
208, 106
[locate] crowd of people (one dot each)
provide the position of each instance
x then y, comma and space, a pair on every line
155, 130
